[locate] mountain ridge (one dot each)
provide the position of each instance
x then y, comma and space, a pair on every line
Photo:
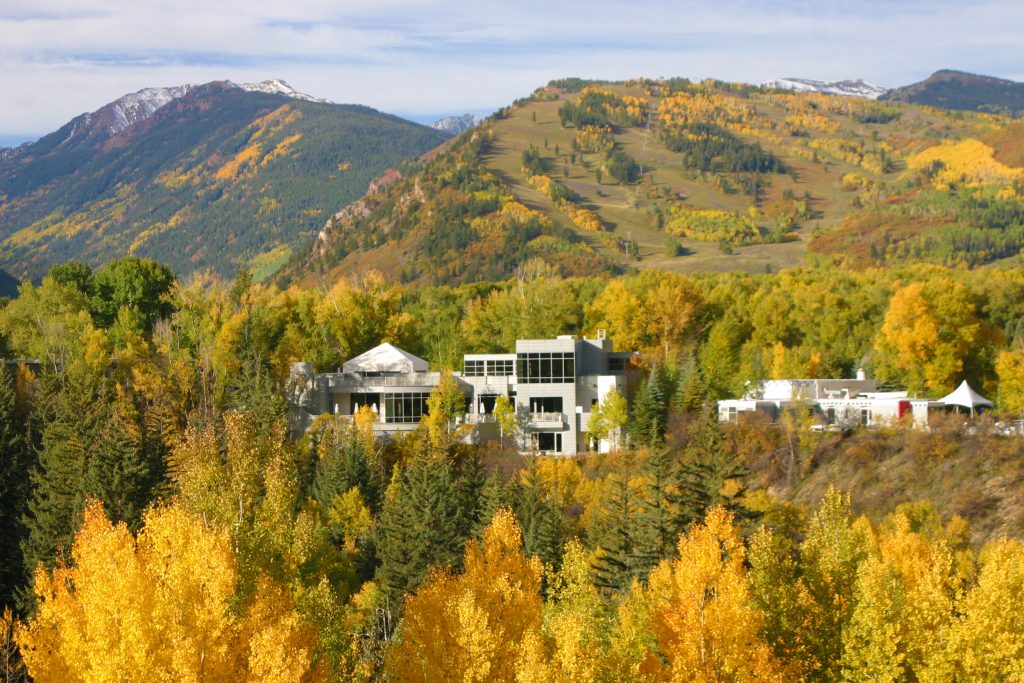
961, 90
213, 178
850, 88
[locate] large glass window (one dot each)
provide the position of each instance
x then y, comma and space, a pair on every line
405, 407
543, 368
473, 368
550, 442
500, 368
546, 404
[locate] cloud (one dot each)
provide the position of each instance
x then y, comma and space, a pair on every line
411, 56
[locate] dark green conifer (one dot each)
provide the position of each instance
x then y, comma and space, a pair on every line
648, 426
539, 518
16, 457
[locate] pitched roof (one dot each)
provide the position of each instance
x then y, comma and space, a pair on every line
967, 397
386, 358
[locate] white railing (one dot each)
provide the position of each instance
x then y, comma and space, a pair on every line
413, 379
547, 417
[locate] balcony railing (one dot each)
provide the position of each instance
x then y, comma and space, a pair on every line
413, 379
547, 417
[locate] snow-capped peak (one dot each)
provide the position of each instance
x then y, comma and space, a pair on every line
275, 86
453, 125
136, 106
856, 88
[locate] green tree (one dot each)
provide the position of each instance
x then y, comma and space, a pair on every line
16, 458
141, 285
608, 418
421, 524
648, 425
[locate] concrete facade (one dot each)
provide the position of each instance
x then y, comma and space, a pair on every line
553, 384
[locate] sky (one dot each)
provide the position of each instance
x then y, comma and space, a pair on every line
426, 58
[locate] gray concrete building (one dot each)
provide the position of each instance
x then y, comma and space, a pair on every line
554, 385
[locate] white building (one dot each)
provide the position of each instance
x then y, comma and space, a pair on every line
846, 402
553, 384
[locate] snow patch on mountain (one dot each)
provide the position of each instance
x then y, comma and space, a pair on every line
275, 86
453, 125
137, 106
855, 88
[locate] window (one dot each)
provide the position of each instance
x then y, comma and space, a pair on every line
830, 416
550, 442
546, 404
405, 407
544, 368
473, 368
616, 364
500, 368
865, 415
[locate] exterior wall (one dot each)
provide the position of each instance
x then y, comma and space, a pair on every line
595, 371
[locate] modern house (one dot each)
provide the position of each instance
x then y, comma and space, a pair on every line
553, 384
846, 402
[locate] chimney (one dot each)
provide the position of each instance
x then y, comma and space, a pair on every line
861, 375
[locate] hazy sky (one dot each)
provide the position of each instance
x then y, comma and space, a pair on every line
419, 58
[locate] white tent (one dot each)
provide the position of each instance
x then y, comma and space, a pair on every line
966, 397
386, 358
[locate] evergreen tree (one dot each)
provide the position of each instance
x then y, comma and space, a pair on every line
76, 419
495, 495
15, 463
710, 475
421, 526
690, 391
342, 463
119, 471
539, 517
92, 445
659, 522
648, 427
617, 560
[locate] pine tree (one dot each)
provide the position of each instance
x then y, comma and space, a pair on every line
119, 471
706, 470
618, 561
539, 517
421, 525
659, 522
342, 463
648, 427
15, 463
76, 419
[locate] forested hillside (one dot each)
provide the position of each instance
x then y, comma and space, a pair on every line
217, 179
157, 517
694, 177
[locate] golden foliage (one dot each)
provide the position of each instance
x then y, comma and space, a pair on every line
158, 608
471, 627
965, 162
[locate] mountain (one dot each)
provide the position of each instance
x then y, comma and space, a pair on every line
951, 89
857, 88
588, 176
214, 176
276, 86
455, 125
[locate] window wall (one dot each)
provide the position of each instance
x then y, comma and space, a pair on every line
545, 368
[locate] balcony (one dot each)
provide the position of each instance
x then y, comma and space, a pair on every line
348, 380
547, 420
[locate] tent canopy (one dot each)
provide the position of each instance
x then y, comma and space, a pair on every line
967, 397
386, 358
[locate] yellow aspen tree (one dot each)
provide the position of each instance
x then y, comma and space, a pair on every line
987, 641
1010, 368
575, 631
157, 608
904, 598
471, 627
703, 623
